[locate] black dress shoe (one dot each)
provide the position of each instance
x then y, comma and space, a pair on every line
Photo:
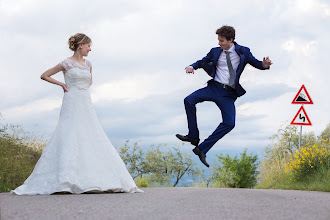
193, 141
201, 155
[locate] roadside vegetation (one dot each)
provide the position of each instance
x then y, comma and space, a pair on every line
285, 165
19, 152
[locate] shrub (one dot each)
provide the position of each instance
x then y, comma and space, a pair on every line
236, 173
142, 182
226, 179
308, 160
20, 152
16, 163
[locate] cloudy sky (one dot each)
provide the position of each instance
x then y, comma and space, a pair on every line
140, 49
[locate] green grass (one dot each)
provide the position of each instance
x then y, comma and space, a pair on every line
16, 163
273, 176
320, 181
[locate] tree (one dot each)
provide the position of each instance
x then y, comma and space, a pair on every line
285, 141
326, 133
205, 180
181, 165
158, 167
133, 159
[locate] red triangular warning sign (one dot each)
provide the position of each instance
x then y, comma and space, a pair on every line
301, 118
302, 97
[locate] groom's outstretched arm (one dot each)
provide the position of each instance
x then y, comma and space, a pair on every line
198, 64
262, 65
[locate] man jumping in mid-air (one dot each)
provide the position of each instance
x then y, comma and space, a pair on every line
225, 65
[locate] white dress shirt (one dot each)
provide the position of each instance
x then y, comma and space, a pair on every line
222, 72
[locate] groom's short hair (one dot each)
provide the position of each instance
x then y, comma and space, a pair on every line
227, 32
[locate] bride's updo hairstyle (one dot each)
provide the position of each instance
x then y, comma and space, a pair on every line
77, 39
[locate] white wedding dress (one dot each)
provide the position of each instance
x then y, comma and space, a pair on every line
79, 156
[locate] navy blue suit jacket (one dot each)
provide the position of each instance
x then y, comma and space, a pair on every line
209, 63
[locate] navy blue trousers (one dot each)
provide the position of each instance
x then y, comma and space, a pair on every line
224, 99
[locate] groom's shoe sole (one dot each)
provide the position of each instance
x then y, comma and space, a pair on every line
201, 155
193, 141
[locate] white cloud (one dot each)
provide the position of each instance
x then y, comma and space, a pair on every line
298, 47
326, 10
128, 88
33, 108
289, 45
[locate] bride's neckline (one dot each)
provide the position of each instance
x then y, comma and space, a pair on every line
77, 62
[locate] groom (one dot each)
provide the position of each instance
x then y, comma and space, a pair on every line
225, 65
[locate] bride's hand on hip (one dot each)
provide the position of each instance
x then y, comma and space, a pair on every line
65, 89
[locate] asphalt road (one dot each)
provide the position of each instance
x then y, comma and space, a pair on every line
171, 203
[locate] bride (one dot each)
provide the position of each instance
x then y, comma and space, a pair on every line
79, 156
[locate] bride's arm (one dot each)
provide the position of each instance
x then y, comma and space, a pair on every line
46, 76
90, 83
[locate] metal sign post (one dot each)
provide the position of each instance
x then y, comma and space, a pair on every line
300, 136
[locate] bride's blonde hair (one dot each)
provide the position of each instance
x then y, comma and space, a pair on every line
77, 39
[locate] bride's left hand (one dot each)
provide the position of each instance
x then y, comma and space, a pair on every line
65, 89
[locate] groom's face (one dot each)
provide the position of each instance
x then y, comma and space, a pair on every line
224, 43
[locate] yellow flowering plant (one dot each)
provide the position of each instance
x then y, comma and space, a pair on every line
308, 159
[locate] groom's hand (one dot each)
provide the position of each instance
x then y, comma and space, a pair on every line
266, 62
190, 69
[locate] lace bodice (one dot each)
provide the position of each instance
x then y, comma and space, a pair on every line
76, 75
